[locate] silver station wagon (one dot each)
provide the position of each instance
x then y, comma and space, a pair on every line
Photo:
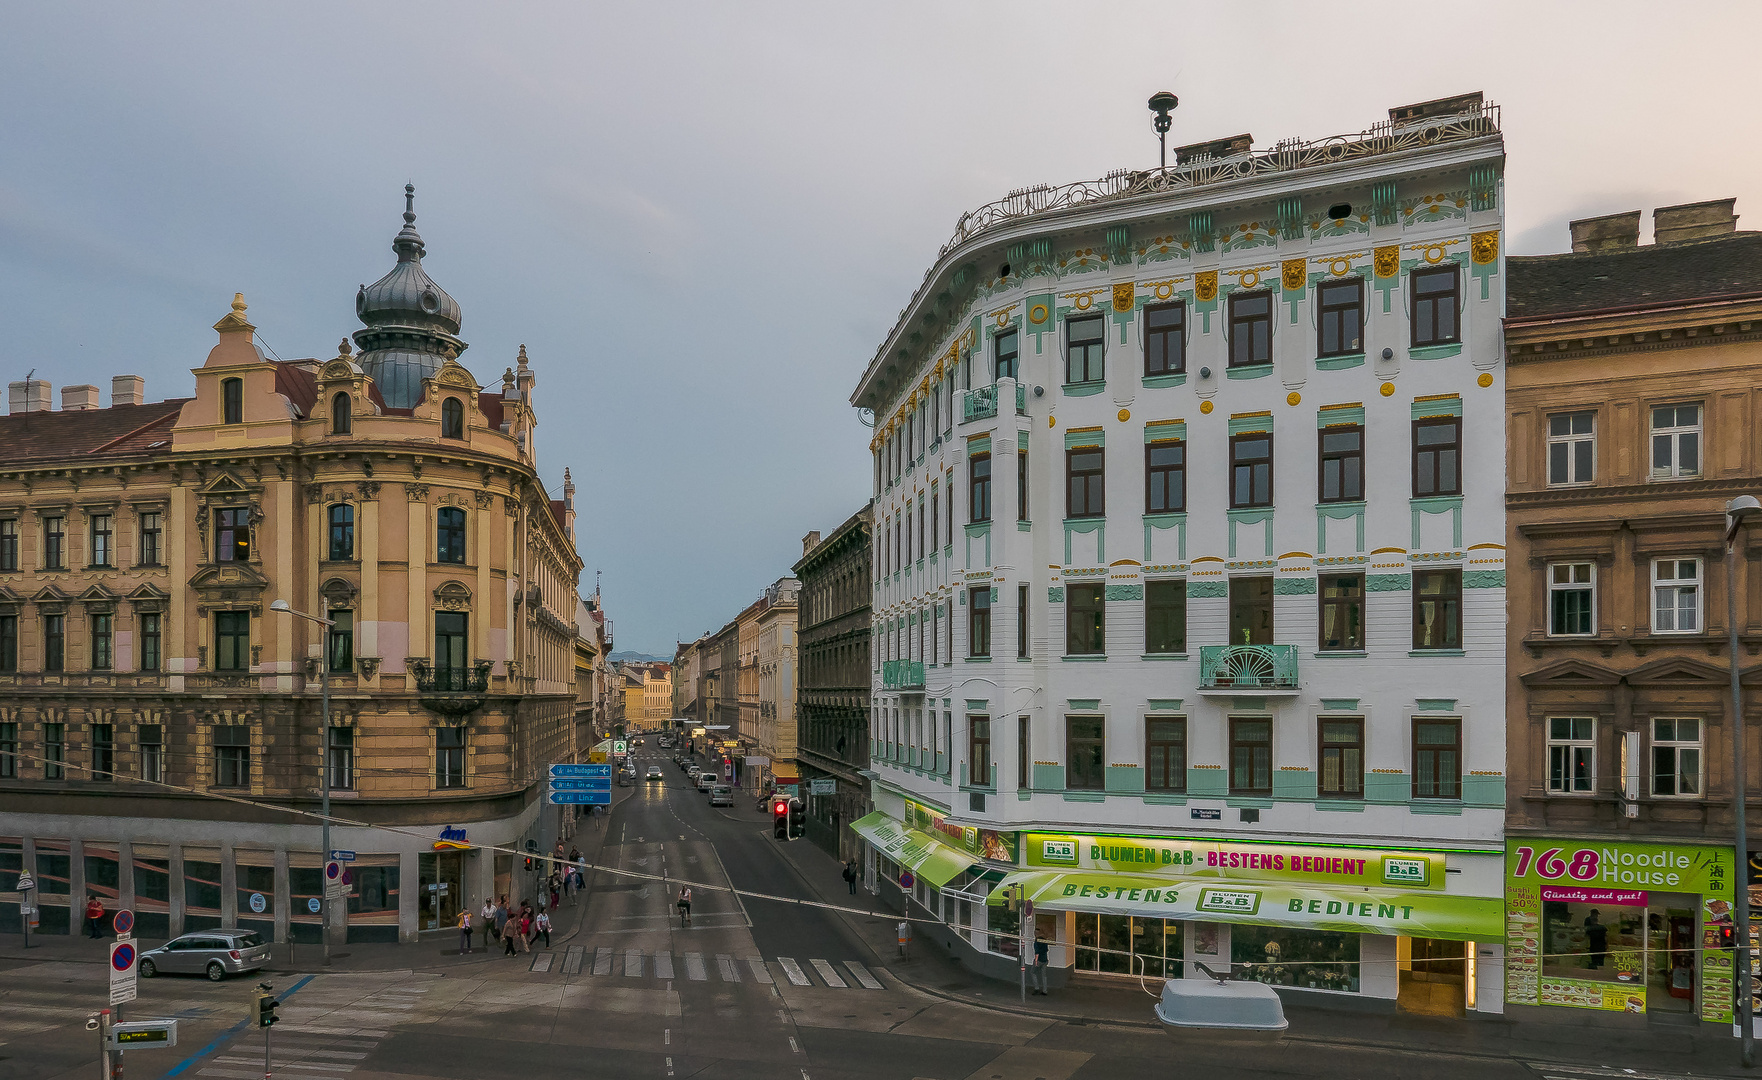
214, 953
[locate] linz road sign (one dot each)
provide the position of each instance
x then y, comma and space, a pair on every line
588, 771
122, 972
601, 797
123, 923
342, 856
594, 783
143, 1035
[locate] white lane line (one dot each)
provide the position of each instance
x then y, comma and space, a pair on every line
725, 965
541, 962
602, 960
862, 975
572, 960
793, 1048
793, 972
829, 975
760, 973
666, 1036
663, 965
694, 967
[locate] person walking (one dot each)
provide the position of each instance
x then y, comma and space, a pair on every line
1037, 973
685, 905
556, 886
465, 932
486, 920
94, 915
542, 927
525, 928
501, 922
850, 875
509, 930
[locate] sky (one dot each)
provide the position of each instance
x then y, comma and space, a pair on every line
701, 219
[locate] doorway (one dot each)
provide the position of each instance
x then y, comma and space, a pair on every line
1672, 941
442, 888
1434, 981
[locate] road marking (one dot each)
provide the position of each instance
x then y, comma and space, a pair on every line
541, 962
602, 960
664, 965
669, 1066
725, 965
633, 963
694, 967
862, 974
666, 1036
760, 973
829, 975
572, 960
793, 972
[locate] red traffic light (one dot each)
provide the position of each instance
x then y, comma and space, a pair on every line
780, 806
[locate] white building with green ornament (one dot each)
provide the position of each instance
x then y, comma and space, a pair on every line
1189, 570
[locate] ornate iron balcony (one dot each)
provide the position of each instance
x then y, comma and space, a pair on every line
979, 403
902, 674
451, 680
1248, 668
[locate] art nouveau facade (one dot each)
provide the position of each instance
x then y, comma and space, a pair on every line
1188, 562
157, 714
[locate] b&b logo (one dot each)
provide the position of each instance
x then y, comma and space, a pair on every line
1229, 900
1058, 851
1405, 871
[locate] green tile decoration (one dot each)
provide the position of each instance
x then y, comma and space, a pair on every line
1125, 780
1084, 704
1207, 783
1049, 777
1172, 704
1339, 704
1425, 704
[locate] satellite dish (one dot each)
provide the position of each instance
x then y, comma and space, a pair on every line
867, 416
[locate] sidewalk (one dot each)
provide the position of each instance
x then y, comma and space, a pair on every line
929, 969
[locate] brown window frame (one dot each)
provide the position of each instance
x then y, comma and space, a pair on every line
1024, 756
1165, 776
232, 534
1172, 339
1421, 599
1239, 321
1094, 363
232, 401
978, 751
1021, 485
1433, 451
342, 414
54, 641
1432, 300
1454, 789
1000, 358
1174, 475
1152, 611
1324, 308
1326, 457
978, 630
1323, 744
1021, 622
1237, 440
978, 490
1094, 483
1094, 749
1237, 743
1324, 603
1099, 592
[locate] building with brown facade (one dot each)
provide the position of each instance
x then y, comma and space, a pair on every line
1634, 381
159, 718
832, 699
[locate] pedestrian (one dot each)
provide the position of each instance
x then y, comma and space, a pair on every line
556, 886
508, 932
94, 915
684, 905
525, 928
465, 931
574, 854
1597, 937
1037, 973
486, 920
501, 917
850, 875
543, 927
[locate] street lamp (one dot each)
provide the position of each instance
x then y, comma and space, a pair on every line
1735, 512
1162, 103
324, 754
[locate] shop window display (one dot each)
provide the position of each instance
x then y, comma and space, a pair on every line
1123, 945
1601, 942
1312, 959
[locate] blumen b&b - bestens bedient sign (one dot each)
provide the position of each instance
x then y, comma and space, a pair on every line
1260, 862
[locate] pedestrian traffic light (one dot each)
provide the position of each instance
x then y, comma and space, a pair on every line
266, 1006
529, 864
797, 819
1727, 936
780, 818
1012, 898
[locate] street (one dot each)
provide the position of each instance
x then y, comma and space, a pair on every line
749, 989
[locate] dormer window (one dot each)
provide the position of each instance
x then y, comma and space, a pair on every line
452, 419
342, 418
232, 401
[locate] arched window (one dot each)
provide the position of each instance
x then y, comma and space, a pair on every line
232, 401
452, 419
341, 418
342, 532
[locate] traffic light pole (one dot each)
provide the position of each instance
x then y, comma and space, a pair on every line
267, 1033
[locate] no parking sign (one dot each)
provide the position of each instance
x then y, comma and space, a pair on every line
122, 972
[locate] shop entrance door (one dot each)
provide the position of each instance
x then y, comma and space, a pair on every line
442, 888
1435, 982
1672, 938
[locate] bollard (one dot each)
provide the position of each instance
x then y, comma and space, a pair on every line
905, 937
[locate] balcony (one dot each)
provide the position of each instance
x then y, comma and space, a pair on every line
902, 674
454, 691
1021, 400
1250, 670
979, 403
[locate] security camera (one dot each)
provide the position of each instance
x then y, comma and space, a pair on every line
91, 1023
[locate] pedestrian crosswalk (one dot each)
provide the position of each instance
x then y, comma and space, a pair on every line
318, 1038
627, 963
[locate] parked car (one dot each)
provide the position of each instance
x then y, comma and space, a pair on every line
692, 771
214, 953
706, 781
721, 795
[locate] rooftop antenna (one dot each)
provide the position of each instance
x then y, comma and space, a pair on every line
1162, 103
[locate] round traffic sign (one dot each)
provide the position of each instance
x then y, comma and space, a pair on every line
258, 902
123, 956
312, 904
348, 878
331, 870
124, 922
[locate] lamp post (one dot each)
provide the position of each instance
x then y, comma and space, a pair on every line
1162, 103
324, 754
1735, 512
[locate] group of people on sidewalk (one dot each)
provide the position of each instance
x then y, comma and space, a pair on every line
518, 927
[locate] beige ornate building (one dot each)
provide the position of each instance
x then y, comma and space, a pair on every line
159, 720
776, 736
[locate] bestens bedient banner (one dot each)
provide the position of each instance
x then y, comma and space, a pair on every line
1292, 864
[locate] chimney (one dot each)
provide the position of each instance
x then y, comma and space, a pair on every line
128, 390
1693, 221
79, 398
1426, 110
1607, 233
31, 395
810, 541
1216, 148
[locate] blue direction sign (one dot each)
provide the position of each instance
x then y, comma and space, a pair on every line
581, 785
585, 772
603, 796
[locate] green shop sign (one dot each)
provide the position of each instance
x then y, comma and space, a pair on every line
1231, 861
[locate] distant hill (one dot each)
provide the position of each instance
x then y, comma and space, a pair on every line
637, 657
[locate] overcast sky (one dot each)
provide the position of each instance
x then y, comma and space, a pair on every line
701, 219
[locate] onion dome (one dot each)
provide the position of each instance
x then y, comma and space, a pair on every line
412, 325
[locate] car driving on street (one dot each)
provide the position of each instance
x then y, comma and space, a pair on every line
654, 772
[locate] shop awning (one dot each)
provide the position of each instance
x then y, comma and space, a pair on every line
785, 772
1365, 911
927, 857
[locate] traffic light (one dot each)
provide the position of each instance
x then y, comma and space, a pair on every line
266, 1006
1012, 898
797, 818
529, 864
780, 819
1728, 938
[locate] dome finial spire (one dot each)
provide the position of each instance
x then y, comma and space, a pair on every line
409, 204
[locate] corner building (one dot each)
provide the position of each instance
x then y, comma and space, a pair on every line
1189, 576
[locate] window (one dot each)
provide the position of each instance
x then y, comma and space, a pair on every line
935, 630
150, 537
342, 641
1251, 611
9, 750
1251, 329
1165, 754
1083, 350
342, 758
1434, 307
103, 751
1437, 609
342, 532
232, 401
949, 523
1165, 617
1342, 613
1021, 485
1165, 339
949, 622
54, 751
342, 417
101, 537
452, 419
924, 535
1676, 441
232, 534
449, 544
1085, 493
1024, 754
232, 755
449, 757
1085, 620
935, 513
1676, 596
102, 639
1251, 756
54, 642
55, 543
979, 621
1004, 350
1339, 318
1572, 754
978, 488
1085, 750
1437, 445
1571, 589
1165, 477
9, 544
1342, 464
1437, 759
979, 751
8, 642
1676, 757
1572, 448
1251, 470
1341, 754
232, 640
150, 641
450, 643
151, 738
1022, 622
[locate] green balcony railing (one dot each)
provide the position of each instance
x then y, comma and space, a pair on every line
979, 403
1021, 400
902, 674
1248, 667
